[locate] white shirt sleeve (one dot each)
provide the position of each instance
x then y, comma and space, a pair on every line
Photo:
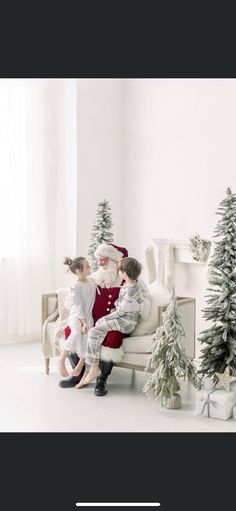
78, 302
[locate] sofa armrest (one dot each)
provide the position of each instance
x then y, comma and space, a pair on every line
48, 305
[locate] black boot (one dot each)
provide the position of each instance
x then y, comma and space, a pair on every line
100, 388
71, 381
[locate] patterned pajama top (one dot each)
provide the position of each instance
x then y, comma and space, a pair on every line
123, 318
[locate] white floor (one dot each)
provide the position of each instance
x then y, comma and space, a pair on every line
32, 401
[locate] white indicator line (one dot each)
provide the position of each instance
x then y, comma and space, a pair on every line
118, 504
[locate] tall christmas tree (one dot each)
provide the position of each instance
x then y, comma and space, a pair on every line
100, 231
168, 359
219, 340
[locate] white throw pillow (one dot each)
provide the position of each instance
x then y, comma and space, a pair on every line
160, 298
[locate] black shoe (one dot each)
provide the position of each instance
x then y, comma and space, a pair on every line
72, 380
100, 389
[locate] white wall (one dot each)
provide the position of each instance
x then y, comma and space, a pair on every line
179, 158
85, 147
99, 154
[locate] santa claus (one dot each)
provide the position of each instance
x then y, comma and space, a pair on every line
108, 284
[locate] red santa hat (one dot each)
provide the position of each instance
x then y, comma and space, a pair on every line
112, 251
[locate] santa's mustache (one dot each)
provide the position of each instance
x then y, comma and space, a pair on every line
106, 275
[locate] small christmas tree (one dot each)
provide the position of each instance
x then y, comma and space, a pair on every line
168, 359
219, 340
100, 231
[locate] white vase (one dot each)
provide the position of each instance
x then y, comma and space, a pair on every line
173, 403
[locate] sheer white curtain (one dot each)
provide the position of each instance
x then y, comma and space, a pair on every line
31, 173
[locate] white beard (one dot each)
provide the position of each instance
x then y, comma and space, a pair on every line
107, 276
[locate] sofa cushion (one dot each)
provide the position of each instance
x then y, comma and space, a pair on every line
160, 297
139, 359
140, 344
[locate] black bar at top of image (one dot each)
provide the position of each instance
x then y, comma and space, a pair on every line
118, 40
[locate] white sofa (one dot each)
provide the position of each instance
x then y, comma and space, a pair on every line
136, 348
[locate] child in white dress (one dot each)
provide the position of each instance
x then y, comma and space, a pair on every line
80, 318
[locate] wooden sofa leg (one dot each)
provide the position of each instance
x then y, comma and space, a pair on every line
133, 377
47, 360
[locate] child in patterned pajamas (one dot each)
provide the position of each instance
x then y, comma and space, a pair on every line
120, 319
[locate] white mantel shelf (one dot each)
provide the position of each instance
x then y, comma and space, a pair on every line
181, 248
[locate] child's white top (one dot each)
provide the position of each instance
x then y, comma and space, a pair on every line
83, 298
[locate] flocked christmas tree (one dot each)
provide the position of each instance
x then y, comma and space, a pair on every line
100, 231
219, 340
168, 359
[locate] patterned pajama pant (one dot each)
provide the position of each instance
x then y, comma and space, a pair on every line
97, 334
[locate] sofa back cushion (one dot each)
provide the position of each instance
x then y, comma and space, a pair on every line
160, 298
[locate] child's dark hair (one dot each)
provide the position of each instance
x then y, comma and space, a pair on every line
131, 267
74, 264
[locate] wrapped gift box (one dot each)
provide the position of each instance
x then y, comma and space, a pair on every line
217, 404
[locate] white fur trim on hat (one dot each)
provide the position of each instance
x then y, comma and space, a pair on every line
106, 250
112, 354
